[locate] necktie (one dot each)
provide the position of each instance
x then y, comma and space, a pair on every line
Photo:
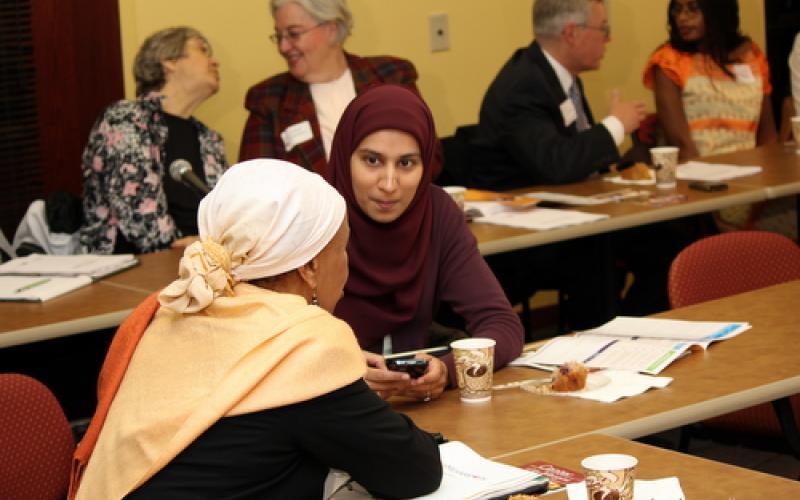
575, 96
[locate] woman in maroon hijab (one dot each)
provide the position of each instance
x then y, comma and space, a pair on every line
410, 248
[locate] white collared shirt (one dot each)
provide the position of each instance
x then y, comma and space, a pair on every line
611, 123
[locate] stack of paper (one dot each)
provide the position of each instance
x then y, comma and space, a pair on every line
541, 219
38, 277
645, 345
468, 475
94, 266
701, 171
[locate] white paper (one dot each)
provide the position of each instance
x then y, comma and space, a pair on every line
541, 219
95, 266
646, 345
702, 171
668, 488
38, 288
567, 199
675, 329
467, 475
612, 385
642, 355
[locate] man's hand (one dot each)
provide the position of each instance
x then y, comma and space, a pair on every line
630, 113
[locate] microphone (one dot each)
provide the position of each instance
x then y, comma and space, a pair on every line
181, 171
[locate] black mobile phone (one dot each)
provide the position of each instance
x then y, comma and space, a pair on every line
708, 186
414, 367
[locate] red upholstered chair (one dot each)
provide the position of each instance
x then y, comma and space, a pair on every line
727, 264
36, 442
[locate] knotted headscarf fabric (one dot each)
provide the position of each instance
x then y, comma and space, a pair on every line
263, 218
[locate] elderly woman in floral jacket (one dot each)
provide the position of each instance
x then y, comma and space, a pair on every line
130, 202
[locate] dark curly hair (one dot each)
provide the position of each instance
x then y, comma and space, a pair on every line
722, 34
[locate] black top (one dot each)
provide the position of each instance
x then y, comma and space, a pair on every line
182, 143
286, 453
522, 139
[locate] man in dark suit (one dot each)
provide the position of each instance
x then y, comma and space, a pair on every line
535, 126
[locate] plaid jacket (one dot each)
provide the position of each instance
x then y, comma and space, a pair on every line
282, 101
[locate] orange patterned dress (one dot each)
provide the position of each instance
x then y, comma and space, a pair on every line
723, 111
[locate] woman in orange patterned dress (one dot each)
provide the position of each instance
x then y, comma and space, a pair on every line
711, 86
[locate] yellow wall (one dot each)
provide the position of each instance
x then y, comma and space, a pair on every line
482, 36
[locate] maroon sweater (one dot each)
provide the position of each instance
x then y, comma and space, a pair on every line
456, 274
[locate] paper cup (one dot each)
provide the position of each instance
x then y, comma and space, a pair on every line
457, 193
796, 132
665, 161
610, 476
474, 359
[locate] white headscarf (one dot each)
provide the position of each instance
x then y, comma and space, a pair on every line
263, 218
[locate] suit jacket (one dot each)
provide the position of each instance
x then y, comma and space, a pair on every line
522, 139
283, 100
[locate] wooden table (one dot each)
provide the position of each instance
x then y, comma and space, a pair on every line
107, 303
780, 177
757, 366
100, 305
700, 478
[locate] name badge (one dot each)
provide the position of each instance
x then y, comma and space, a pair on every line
568, 112
743, 73
296, 134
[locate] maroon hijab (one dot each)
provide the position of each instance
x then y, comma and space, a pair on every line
386, 259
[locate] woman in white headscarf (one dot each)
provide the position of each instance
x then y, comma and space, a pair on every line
242, 384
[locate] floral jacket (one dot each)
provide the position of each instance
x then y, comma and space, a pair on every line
122, 173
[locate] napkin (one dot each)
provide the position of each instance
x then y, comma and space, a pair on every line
702, 171
608, 386
668, 488
617, 179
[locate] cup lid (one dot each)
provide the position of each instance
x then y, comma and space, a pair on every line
472, 343
609, 461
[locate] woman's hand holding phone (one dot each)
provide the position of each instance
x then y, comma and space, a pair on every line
432, 383
379, 378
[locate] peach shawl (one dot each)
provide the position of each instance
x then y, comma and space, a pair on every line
162, 389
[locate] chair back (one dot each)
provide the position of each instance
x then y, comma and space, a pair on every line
35, 439
731, 263
457, 150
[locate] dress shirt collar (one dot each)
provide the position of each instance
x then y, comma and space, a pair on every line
564, 76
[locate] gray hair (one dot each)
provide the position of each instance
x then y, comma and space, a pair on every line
165, 45
324, 11
550, 16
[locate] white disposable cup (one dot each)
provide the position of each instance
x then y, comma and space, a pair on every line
474, 360
665, 161
609, 473
457, 193
796, 132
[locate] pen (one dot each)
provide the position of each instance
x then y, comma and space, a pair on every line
32, 285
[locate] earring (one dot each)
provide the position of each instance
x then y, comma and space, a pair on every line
314, 298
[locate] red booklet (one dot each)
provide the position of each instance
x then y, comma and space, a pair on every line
558, 476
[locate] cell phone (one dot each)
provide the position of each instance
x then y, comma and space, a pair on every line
708, 186
414, 367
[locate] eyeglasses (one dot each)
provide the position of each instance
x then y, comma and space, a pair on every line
605, 29
691, 9
293, 35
